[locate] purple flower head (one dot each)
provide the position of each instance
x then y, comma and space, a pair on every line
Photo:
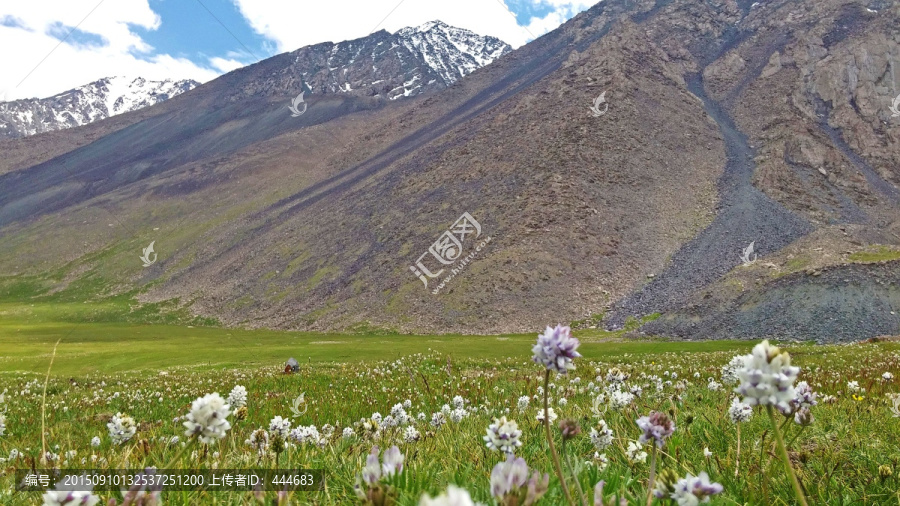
392, 461
371, 473
656, 427
509, 480
555, 349
695, 489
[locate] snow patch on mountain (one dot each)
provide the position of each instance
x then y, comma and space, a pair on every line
88, 103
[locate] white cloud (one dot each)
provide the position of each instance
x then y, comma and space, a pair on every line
296, 24
122, 52
225, 64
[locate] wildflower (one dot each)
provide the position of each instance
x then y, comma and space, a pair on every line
259, 441
237, 398
437, 419
692, 490
241, 413
656, 427
555, 350
458, 402
522, 405
392, 462
121, 428
885, 471
853, 386
739, 412
347, 433
280, 427
551, 414
707, 453
601, 461
95, 441
407, 404
665, 484
803, 416
510, 484
616, 376
62, 497
887, 376
895, 400
635, 453
208, 418
2, 424
601, 435
619, 400
457, 415
730, 370
410, 434
13, 454
713, 385
767, 377
453, 496
503, 435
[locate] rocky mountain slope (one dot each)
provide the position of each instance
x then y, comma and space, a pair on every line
504, 201
98, 100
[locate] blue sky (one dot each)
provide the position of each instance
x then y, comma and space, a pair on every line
201, 39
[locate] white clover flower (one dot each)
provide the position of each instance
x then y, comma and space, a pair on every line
376, 416
635, 453
347, 433
503, 435
389, 422
555, 349
407, 404
459, 402
95, 441
421, 417
601, 435
767, 377
522, 404
208, 419
237, 398
13, 454
853, 386
887, 376
438, 419
121, 428
562, 402
550, 412
410, 434
280, 427
713, 385
739, 412
453, 496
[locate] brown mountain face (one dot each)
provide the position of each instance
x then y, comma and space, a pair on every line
725, 123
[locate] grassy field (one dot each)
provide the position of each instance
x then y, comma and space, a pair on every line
152, 372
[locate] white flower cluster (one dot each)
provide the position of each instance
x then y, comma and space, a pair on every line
767, 377
208, 418
522, 405
121, 428
237, 398
280, 427
739, 412
601, 435
503, 435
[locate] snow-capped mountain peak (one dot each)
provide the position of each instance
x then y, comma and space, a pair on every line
85, 104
